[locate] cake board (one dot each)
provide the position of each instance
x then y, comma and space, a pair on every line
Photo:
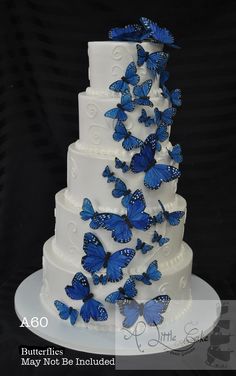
205, 311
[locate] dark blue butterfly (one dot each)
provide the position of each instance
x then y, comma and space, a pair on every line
91, 308
132, 33
126, 104
165, 117
151, 310
159, 239
152, 274
130, 78
121, 225
128, 291
96, 258
129, 142
161, 135
66, 312
122, 165
109, 175
164, 77
89, 213
121, 190
99, 279
156, 61
145, 162
143, 247
161, 35
173, 218
141, 92
174, 96
147, 120
176, 153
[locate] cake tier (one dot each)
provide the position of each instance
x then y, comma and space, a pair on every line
96, 130
84, 178
58, 273
70, 230
108, 61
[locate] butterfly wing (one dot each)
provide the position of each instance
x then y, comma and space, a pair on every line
163, 241
116, 113
119, 227
118, 260
80, 287
129, 33
146, 248
131, 74
114, 297
159, 218
161, 133
119, 86
160, 173
168, 114
129, 309
176, 153
129, 288
120, 131
141, 55
154, 308
63, 309
142, 160
122, 165
135, 211
95, 254
156, 61
120, 188
127, 103
87, 210
147, 120
131, 142
174, 217
108, 174
153, 272
126, 199
93, 309
142, 91
176, 97
73, 316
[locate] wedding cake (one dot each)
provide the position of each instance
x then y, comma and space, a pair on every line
118, 251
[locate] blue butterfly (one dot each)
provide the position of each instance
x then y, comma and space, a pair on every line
156, 61
109, 175
172, 218
99, 279
159, 239
96, 258
129, 142
151, 310
121, 225
174, 96
122, 165
121, 190
176, 153
66, 312
152, 274
118, 112
165, 117
147, 120
88, 212
91, 308
145, 162
141, 91
161, 135
132, 33
143, 247
130, 78
128, 291
161, 35
164, 77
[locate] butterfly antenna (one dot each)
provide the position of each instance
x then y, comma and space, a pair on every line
161, 205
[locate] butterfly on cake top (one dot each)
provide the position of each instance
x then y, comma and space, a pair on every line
100, 266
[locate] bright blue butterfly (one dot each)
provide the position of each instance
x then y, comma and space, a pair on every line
176, 153
152, 274
161, 35
159, 239
88, 212
173, 218
121, 225
147, 120
96, 258
66, 312
126, 104
122, 165
128, 291
164, 77
91, 308
109, 175
174, 96
156, 61
132, 33
99, 279
151, 310
141, 92
129, 142
161, 135
143, 247
165, 117
121, 190
130, 78
145, 162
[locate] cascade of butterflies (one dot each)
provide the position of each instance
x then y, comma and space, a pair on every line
133, 94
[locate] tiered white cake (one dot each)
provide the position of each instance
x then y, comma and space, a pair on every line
87, 159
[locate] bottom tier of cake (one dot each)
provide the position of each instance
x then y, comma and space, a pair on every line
175, 282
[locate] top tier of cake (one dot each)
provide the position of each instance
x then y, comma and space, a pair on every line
108, 61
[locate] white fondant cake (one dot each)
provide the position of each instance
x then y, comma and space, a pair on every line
87, 159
